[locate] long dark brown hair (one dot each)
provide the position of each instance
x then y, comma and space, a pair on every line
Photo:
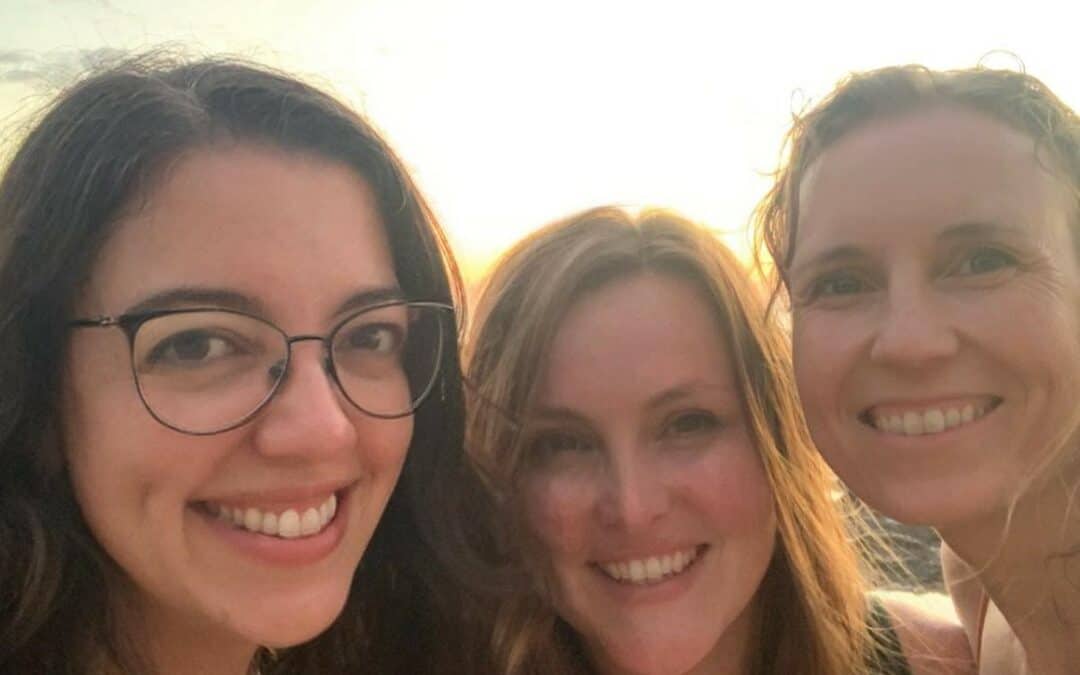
96, 152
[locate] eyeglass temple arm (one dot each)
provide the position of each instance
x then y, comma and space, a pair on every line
95, 322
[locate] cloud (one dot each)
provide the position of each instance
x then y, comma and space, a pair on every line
51, 69
14, 57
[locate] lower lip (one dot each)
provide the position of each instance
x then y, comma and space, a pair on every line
662, 591
283, 552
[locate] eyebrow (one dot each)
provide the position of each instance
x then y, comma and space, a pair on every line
368, 297
676, 393
842, 253
197, 295
964, 230
229, 299
978, 229
557, 413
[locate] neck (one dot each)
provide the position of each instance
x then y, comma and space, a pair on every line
174, 644
1027, 559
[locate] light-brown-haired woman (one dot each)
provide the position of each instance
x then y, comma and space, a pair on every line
924, 225
636, 417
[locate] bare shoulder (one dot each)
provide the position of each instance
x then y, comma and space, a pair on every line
930, 633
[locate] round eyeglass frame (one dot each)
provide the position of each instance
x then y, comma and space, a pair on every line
130, 323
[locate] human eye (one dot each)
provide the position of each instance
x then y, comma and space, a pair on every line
834, 287
983, 260
691, 423
193, 348
381, 338
546, 444
838, 284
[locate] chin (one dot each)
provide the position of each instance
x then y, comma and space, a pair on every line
290, 631
664, 657
279, 625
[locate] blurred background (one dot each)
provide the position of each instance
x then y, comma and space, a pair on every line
511, 114
514, 113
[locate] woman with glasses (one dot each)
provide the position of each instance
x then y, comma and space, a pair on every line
230, 404
925, 228
636, 420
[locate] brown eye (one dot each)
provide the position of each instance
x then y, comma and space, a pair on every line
190, 348
553, 442
692, 423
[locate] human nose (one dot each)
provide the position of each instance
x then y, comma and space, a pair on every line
307, 416
914, 329
634, 494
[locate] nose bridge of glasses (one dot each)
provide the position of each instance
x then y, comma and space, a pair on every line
278, 368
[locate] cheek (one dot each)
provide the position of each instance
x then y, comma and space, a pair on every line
731, 489
557, 509
815, 355
385, 442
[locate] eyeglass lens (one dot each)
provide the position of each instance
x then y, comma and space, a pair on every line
209, 370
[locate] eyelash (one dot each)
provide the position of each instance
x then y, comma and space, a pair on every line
824, 286
543, 443
710, 424
970, 255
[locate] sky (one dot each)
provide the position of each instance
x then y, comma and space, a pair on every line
511, 114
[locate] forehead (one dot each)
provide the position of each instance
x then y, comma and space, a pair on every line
923, 171
633, 337
279, 226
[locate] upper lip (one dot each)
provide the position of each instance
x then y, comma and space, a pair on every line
940, 401
281, 495
641, 553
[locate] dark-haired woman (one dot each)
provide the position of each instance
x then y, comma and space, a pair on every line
229, 367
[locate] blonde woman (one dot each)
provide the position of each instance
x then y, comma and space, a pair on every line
636, 418
924, 226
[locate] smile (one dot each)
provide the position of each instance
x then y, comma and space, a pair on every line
290, 523
652, 570
921, 421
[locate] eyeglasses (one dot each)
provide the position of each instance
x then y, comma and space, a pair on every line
204, 371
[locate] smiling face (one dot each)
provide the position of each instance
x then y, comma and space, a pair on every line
297, 241
644, 487
935, 299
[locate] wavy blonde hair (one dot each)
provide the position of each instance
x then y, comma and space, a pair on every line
813, 611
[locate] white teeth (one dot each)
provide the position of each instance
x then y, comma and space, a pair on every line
289, 524
650, 570
933, 421
913, 423
311, 523
929, 421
